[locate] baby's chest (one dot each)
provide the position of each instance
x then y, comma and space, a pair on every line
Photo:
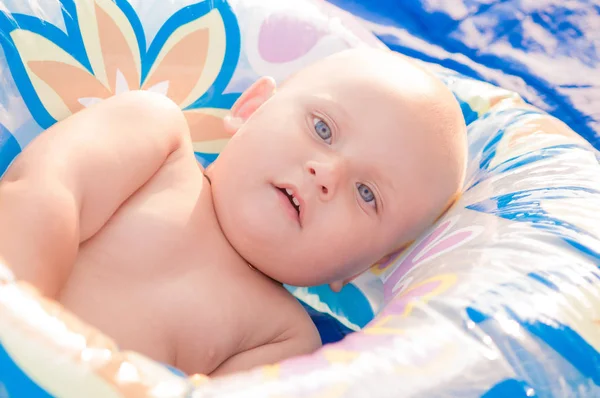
150, 279
158, 227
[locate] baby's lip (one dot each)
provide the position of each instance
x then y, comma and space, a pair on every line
298, 197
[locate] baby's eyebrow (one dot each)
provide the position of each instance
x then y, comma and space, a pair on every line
334, 109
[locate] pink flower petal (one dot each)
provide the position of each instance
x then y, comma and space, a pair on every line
284, 38
445, 244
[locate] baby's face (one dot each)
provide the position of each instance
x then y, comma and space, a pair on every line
330, 174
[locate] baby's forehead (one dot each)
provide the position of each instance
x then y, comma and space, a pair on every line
371, 108
372, 89
396, 110
376, 67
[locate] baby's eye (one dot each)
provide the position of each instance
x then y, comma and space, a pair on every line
366, 194
322, 129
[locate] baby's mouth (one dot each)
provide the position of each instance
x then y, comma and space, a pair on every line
293, 200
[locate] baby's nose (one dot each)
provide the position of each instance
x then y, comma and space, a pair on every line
326, 175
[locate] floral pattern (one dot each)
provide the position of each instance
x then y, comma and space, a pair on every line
104, 53
441, 240
9, 148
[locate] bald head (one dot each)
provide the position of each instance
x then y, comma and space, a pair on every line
375, 67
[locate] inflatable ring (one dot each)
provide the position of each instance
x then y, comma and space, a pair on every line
500, 298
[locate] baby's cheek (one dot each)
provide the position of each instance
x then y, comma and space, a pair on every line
350, 243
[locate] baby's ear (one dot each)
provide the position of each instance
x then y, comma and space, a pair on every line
337, 286
250, 100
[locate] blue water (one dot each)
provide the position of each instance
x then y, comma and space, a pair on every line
546, 50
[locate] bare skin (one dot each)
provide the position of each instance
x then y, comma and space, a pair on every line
109, 213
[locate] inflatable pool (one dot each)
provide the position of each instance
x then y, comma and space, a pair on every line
500, 298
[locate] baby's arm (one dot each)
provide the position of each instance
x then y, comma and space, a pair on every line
70, 180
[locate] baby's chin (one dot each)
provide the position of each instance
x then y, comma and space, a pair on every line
297, 280
285, 272
301, 272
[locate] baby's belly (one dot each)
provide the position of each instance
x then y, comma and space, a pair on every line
136, 314
152, 314
161, 315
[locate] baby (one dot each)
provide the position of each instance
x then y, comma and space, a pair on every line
109, 213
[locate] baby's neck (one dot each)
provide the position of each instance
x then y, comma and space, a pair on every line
220, 230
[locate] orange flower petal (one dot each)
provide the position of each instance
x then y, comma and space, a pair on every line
543, 126
69, 82
116, 51
182, 66
206, 124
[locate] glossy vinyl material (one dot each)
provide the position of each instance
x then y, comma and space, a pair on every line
500, 298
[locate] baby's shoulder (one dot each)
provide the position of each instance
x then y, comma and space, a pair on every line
289, 318
301, 326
